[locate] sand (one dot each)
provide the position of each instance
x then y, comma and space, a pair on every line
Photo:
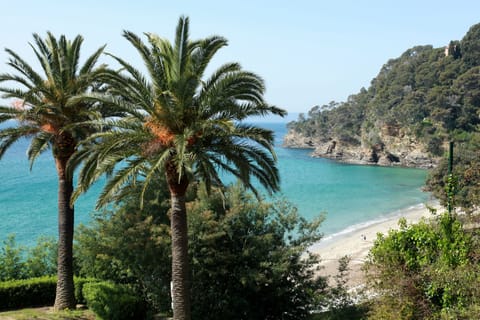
358, 242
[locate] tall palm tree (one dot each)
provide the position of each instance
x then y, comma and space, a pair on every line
184, 127
45, 109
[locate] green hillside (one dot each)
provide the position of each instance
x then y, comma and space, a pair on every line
426, 97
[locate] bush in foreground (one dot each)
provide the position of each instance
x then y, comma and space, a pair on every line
113, 301
15, 294
35, 292
250, 259
425, 271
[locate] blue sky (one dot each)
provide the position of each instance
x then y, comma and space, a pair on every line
308, 52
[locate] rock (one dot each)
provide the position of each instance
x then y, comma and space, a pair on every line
295, 139
396, 148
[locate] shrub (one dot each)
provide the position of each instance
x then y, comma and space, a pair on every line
15, 294
34, 292
11, 265
250, 258
20, 262
113, 301
126, 244
424, 270
41, 260
79, 284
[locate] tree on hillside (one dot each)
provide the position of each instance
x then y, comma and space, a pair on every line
470, 46
46, 110
183, 126
466, 170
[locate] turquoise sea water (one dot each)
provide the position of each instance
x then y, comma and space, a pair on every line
350, 195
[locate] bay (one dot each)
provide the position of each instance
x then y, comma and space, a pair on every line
349, 195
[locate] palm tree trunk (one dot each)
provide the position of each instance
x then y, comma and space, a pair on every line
178, 224
180, 263
65, 294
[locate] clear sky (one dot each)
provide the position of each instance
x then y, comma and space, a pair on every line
308, 52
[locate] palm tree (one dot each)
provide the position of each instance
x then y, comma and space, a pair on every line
184, 127
45, 109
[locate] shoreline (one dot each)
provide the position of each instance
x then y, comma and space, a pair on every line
356, 241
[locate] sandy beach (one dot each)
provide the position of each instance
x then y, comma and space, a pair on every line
357, 243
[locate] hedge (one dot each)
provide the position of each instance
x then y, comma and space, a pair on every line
35, 292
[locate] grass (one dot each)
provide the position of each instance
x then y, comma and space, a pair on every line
47, 313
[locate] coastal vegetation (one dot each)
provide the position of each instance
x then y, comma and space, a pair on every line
427, 270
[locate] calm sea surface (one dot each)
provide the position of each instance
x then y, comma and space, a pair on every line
350, 195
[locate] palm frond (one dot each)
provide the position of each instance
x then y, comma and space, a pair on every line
181, 53
236, 173
115, 104
91, 61
151, 58
154, 170
16, 62
218, 74
50, 51
63, 62
10, 111
39, 144
204, 52
205, 171
8, 136
121, 177
262, 136
73, 53
89, 172
138, 87
15, 78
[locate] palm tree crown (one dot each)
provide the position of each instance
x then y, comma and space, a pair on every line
180, 122
43, 105
46, 109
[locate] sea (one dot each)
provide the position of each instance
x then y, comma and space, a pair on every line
349, 196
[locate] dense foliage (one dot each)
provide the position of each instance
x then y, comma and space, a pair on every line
424, 94
427, 270
466, 173
131, 245
247, 257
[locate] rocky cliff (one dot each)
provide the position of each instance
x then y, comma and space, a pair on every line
396, 149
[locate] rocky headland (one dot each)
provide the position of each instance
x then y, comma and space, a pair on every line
417, 104
396, 149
